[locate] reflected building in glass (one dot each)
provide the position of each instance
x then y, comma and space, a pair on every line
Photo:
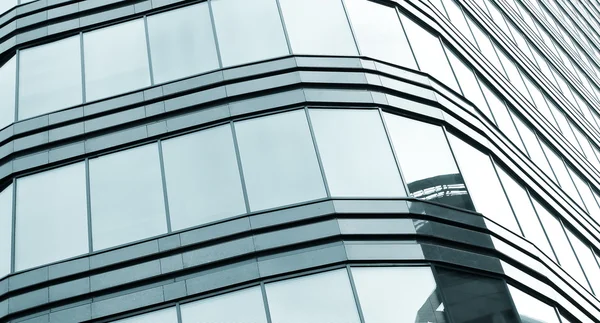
292, 161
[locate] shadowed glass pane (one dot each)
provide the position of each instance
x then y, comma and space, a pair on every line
6, 214
182, 43
126, 197
51, 208
248, 31
325, 297
202, 176
279, 160
244, 306
318, 27
427, 163
7, 92
531, 309
116, 60
398, 294
168, 315
356, 153
50, 77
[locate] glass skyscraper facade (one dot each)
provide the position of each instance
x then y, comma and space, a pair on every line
283, 161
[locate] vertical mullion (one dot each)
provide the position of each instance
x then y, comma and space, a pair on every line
535, 211
459, 168
507, 199
355, 294
285, 32
576, 256
450, 64
164, 185
351, 27
263, 291
240, 168
390, 142
81, 54
148, 50
13, 216
316, 147
399, 15
16, 107
89, 204
178, 310
214, 30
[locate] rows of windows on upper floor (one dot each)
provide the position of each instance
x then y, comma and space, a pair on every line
380, 294
268, 162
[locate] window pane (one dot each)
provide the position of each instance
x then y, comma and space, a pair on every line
244, 306
530, 224
458, 19
279, 160
540, 102
429, 53
356, 153
116, 60
560, 170
536, 154
587, 260
182, 43
325, 297
5, 5
318, 27
397, 294
50, 77
513, 74
51, 208
248, 31
202, 176
7, 92
126, 197
485, 46
427, 162
586, 195
168, 315
379, 32
6, 214
502, 116
561, 245
531, 309
483, 184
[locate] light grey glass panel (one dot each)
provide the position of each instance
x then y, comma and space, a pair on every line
536, 154
497, 17
203, 178
6, 198
182, 43
513, 74
560, 170
356, 153
50, 77
564, 125
586, 195
587, 259
469, 84
116, 60
325, 297
587, 148
521, 204
502, 116
51, 220
561, 245
543, 65
483, 184
168, 315
7, 92
531, 309
379, 32
520, 41
318, 27
458, 19
248, 31
398, 294
485, 46
539, 100
279, 160
565, 89
126, 197
244, 306
429, 53
427, 163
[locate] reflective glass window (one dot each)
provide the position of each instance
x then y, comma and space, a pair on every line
497, 17
539, 101
560, 170
51, 219
398, 294
50, 77
531, 309
279, 161
536, 154
561, 245
182, 43
513, 74
564, 125
318, 27
587, 148
586, 194
520, 41
483, 184
6, 214
469, 84
126, 197
116, 60
248, 31
356, 153
427, 163
7, 92
587, 260
521, 204
485, 46
379, 33
458, 19
502, 116
168, 315
325, 297
244, 306
202, 177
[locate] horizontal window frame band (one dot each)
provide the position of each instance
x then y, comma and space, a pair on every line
444, 118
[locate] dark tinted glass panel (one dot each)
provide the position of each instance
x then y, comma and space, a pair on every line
427, 163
